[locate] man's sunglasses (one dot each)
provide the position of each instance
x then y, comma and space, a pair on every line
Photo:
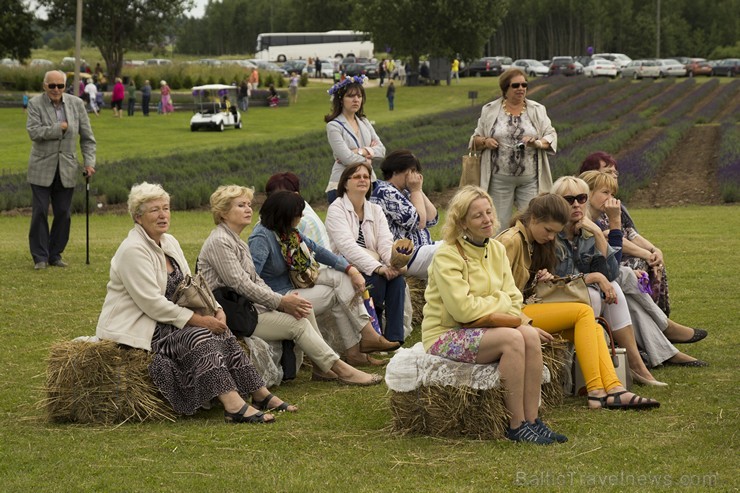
55, 86
517, 85
581, 198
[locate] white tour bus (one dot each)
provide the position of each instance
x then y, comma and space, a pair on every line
331, 44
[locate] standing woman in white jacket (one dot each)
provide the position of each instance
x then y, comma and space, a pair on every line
351, 136
515, 136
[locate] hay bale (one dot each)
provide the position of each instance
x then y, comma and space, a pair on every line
555, 357
100, 382
416, 288
462, 411
450, 412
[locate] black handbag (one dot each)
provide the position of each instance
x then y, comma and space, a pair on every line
241, 315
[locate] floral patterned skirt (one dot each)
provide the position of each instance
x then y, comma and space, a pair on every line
458, 345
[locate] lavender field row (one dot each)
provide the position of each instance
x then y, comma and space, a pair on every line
589, 114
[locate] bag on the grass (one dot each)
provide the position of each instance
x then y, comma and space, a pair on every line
241, 315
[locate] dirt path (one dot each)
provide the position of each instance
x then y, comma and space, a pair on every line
688, 175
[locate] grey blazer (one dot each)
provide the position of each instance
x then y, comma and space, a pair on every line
50, 146
342, 140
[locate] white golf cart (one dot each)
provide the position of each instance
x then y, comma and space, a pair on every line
215, 108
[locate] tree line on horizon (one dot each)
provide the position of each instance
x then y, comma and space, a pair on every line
522, 29
404, 29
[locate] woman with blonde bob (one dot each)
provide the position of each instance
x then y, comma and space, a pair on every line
532, 250
654, 331
585, 250
226, 261
196, 357
473, 312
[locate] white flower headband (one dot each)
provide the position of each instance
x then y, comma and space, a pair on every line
357, 79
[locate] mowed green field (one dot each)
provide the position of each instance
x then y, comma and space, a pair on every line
340, 440
160, 135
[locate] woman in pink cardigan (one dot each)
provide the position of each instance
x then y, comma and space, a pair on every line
359, 231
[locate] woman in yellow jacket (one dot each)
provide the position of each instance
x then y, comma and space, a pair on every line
531, 249
473, 312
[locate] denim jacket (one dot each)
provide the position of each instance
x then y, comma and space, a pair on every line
582, 257
270, 263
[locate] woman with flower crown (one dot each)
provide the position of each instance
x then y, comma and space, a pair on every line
514, 135
351, 136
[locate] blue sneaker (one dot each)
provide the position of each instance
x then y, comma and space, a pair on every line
543, 430
526, 433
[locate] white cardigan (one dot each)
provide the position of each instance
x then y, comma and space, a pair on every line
343, 226
545, 131
136, 300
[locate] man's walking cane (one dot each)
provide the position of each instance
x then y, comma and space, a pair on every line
87, 218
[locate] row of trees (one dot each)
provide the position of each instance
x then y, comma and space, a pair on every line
545, 28
407, 28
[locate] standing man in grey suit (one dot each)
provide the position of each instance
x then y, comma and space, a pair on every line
55, 120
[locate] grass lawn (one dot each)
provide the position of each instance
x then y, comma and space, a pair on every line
339, 440
166, 135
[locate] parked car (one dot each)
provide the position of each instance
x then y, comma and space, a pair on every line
671, 68
242, 63
563, 65
351, 59
619, 58
206, 61
638, 69
69, 61
532, 68
506, 62
729, 67
353, 69
599, 67
698, 66
371, 70
41, 62
328, 69
486, 66
10, 62
683, 60
583, 59
158, 61
297, 66
270, 67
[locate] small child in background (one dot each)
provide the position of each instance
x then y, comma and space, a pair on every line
25, 102
390, 93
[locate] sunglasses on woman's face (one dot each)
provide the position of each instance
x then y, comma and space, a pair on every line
517, 85
581, 198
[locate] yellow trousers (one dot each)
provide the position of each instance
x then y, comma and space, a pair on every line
576, 322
